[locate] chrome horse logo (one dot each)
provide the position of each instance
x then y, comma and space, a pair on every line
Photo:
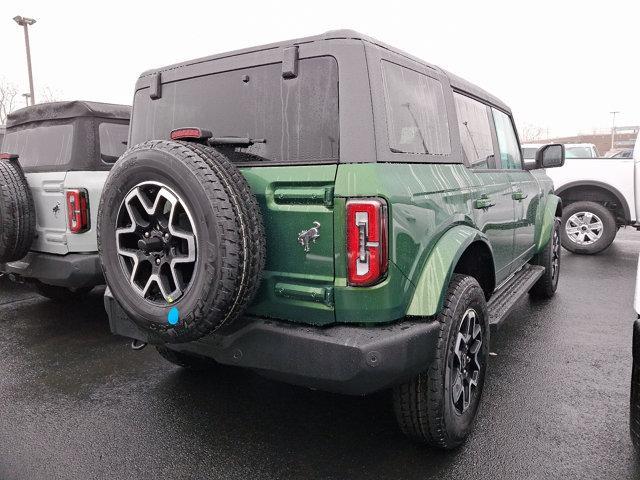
307, 237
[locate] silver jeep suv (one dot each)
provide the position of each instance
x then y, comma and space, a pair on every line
56, 158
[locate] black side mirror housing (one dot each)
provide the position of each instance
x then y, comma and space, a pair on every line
548, 156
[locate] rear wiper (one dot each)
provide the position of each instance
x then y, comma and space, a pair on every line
234, 141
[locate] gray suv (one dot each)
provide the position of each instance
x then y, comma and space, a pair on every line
56, 159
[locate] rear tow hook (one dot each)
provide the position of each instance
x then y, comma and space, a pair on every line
138, 345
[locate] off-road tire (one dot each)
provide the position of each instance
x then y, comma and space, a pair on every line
185, 360
547, 284
609, 228
17, 213
61, 294
634, 417
423, 406
231, 244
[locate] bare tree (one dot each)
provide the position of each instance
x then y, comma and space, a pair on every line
47, 95
8, 99
532, 133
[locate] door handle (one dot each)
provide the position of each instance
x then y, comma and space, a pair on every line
484, 202
519, 195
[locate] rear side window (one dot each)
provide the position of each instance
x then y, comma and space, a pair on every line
44, 146
416, 112
475, 131
510, 155
113, 140
297, 117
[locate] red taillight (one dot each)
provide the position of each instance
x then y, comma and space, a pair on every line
78, 210
8, 156
190, 134
367, 254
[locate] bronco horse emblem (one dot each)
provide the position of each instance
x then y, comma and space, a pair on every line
306, 237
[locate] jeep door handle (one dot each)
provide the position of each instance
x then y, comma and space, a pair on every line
519, 195
484, 202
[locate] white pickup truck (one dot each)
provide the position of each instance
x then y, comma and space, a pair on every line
599, 195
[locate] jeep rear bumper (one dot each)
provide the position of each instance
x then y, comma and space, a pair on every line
342, 359
74, 270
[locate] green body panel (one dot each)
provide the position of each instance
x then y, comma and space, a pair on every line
296, 286
431, 287
546, 218
435, 212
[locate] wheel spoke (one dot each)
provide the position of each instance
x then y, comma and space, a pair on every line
457, 388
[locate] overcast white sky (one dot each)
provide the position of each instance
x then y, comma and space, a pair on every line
562, 65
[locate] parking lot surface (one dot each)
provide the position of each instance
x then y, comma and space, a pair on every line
77, 402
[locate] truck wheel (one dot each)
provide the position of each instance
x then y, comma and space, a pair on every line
61, 294
185, 360
549, 258
17, 213
587, 228
634, 419
180, 238
438, 406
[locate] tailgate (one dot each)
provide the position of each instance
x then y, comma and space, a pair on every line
297, 284
51, 217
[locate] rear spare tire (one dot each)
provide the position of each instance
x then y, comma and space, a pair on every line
587, 227
17, 213
180, 238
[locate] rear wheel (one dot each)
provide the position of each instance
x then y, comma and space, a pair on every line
17, 213
438, 406
61, 294
587, 227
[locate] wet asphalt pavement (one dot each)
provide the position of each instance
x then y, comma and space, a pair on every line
76, 402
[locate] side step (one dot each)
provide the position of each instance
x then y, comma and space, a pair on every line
503, 301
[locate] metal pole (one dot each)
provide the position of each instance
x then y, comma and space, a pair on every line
26, 42
613, 129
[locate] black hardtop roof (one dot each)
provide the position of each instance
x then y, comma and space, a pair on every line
70, 109
456, 82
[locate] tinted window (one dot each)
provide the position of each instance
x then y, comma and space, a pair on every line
297, 117
416, 112
475, 131
529, 153
113, 140
510, 156
41, 146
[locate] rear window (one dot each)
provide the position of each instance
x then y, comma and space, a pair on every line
416, 113
297, 117
113, 140
42, 146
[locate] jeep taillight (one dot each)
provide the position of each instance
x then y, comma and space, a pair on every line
367, 249
78, 210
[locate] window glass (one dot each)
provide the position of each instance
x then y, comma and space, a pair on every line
510, 156
529, 153
113, 140
298, 118
475, 131
416, 112
578, 152
44, 146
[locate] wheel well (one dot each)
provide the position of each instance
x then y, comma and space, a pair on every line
594, 193
477, 262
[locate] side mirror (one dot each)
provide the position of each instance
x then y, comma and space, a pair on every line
549, 156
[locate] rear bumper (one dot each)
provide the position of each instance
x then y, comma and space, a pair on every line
342, 359
74, 270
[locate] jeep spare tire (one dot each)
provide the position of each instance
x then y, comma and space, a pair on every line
181, 239
17, 212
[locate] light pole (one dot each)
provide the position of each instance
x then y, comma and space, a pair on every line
25, 22
26, 98
613, 129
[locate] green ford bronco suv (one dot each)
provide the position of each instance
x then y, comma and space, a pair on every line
331, 212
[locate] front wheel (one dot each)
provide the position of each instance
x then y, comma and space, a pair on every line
587, 228
438, 406
549, 258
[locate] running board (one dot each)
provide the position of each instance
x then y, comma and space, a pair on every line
503, 301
